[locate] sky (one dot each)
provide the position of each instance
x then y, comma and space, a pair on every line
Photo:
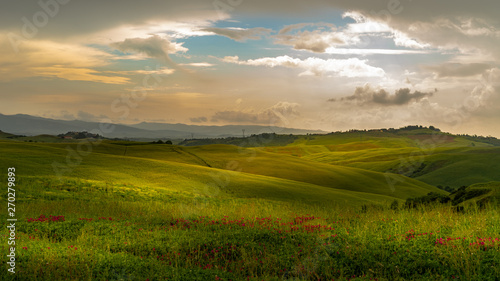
329, 65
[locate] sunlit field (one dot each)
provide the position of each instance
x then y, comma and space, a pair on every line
327, 207
82, 232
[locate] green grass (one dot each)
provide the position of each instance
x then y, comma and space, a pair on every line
113, 232
5, 135
436, 166
318, 209
165, 175
488, 193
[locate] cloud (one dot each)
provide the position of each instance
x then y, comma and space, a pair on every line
327, 38
449, 23
367, 95
154, 46
80, 115
366, 25
364, 52
89, 117
71, 20
79, 74
316, 41
277, 115
159, 71
239, 34
61, 60
402, 39
198, 64
62, 115
291, 27
352, 67
453, 25
201, 119
285, 108
458, 69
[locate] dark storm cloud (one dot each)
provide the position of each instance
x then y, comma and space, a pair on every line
401, 96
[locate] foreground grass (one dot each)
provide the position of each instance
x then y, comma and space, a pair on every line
249, 239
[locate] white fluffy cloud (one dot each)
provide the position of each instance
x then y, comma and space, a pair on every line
352, 67
327, 38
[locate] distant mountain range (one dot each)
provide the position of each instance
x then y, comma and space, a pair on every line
22, 124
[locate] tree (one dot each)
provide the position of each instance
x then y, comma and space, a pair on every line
168, 142
395, 205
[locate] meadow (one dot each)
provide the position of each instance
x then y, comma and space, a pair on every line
319, 208
123, 235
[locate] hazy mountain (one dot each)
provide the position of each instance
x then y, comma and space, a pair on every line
222, 131
22, 124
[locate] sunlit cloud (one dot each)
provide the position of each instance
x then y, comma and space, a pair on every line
316, 41
352, 67
56, 60
79, 74
301, 52
198, 64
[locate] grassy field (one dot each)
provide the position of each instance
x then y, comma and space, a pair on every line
321, 208
89, 230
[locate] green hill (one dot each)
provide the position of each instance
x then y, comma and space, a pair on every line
4, 135
258, 162
429, 156
266, 176
450, 166
356, 166
479, 193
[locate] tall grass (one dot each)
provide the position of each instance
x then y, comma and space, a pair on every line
202, 238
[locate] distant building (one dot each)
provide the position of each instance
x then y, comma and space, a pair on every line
79, 135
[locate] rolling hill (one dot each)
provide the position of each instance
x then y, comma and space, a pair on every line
267, 176
432, 157
355, 167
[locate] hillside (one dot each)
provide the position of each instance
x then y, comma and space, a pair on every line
267, 176
480, 193
432, 157
337, 167
5, 135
